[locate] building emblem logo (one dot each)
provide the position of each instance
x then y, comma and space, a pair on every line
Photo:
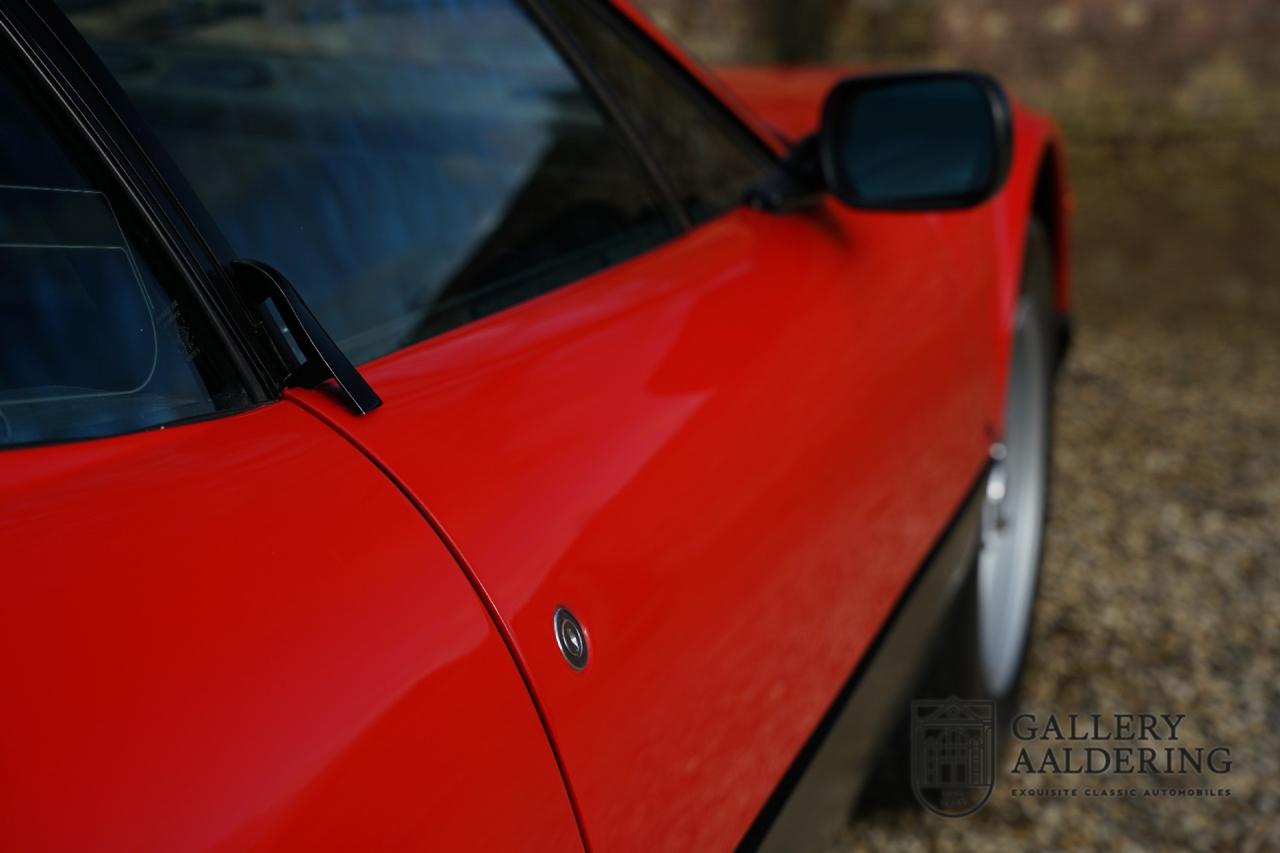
953, 754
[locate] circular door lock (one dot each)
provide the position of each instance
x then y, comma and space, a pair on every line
571, 639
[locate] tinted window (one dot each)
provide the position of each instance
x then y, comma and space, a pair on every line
708, 156
408, 164
91, 341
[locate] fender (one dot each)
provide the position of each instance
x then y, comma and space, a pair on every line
812, 800
1035, 187
787, 103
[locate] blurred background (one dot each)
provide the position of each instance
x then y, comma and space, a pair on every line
1161, 586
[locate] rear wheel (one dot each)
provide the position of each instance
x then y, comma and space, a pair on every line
1013, 512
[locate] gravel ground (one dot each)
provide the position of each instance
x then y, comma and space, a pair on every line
1161, 584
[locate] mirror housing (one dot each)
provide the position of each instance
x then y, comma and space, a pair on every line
935, 140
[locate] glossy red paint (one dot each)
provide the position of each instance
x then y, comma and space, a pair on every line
238, 634
787, 98
789, 101
713, 454
727, 457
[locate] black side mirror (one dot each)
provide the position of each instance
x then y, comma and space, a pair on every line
916, 141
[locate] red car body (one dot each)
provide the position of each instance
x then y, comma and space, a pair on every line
728, 456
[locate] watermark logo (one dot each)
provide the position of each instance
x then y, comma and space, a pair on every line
953, 754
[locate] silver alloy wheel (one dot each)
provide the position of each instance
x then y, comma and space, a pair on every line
1013, 512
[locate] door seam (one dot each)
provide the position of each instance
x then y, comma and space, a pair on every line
504, 630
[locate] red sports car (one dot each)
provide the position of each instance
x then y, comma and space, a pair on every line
468, 424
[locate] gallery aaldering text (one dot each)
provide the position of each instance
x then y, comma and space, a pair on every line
1133, 743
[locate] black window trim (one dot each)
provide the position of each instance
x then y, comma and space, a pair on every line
64, 69
183, 216
84, 88
564, 44
177, 214
668, 67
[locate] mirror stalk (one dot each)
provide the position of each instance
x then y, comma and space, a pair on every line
796, 184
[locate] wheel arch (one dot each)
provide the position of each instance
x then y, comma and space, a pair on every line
1051, 205
1037, 188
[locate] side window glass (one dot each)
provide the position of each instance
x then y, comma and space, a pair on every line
409, 166
92, 342
708, 156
